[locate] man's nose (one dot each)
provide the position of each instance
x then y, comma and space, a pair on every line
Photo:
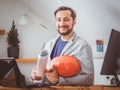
62, 23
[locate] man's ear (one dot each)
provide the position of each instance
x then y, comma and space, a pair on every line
74, 21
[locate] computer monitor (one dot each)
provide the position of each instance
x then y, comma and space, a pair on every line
111, 63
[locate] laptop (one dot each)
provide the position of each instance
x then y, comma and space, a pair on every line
11, 76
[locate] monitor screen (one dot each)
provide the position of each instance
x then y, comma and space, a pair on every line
111, 63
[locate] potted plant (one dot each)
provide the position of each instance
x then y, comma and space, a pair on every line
13, 42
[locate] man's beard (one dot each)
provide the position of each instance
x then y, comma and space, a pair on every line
66, 33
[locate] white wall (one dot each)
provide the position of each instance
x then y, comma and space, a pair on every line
94, 21
32, 37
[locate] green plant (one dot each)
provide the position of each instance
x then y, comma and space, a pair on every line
12, 38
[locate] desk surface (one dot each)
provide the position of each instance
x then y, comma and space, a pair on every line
98, 87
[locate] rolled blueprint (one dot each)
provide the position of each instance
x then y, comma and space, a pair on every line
42, 62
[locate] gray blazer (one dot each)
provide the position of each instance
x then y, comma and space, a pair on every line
80, 49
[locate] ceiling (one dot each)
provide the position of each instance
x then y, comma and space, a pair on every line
45, 8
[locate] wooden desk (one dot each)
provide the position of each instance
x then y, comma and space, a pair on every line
65, 88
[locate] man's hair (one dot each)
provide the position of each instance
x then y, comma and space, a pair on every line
73, 14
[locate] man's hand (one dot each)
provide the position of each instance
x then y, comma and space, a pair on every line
52, 75
34, 75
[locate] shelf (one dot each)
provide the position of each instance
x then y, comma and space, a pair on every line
27, 60
2, 31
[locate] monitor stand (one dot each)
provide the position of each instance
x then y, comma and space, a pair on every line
115, 80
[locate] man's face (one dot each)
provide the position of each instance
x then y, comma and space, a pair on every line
64, 22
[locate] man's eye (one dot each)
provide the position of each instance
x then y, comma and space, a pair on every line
57, 19
66, 19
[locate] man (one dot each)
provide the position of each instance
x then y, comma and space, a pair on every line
68, 43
